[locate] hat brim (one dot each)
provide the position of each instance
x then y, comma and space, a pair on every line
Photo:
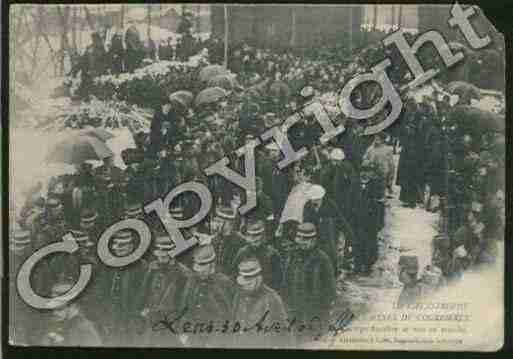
244, 279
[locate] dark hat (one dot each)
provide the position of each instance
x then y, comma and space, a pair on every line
409, 263
256, 228
306, 230
225, 212
204, 254
131, 155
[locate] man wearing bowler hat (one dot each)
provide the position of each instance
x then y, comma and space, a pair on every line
255, 305
310, 278
121, 284
269, 258
162, 284
207, 297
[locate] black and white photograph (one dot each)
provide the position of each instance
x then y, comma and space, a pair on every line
269, 176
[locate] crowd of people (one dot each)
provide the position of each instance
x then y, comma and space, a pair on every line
271, 264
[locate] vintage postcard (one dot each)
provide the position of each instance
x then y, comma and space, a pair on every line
256, 176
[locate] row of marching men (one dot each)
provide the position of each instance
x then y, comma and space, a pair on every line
235, 278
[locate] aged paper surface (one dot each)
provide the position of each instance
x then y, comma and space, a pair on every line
256, 176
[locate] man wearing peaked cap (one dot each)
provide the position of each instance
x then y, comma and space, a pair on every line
161, 288
408, 273
70, 326
252, 300
310, 278
334, 231
120, 284
269, 258
226, 241
207, 296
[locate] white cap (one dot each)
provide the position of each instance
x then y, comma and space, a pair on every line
315, 192
337, 154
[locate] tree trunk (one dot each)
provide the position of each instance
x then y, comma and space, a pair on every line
226, 28
400, 21
89, 18
122, 25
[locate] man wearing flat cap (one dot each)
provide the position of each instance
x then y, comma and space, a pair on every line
334, 231
120, 285
161, 286
310, 278
269, 258
256, 305
207, 296
68, 325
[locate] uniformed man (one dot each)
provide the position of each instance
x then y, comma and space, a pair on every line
310, 280
227, 241
256, 306
334, 230
257, 246
89, 224
69, 326
120, 285
161, 287
53, 225
206, 299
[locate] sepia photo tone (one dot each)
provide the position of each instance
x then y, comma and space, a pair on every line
256, 176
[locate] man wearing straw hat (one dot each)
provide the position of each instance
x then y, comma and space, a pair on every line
161, 286
254, 302
69, 326
120, 286
310, 279
269, 258
207, 296
89, 224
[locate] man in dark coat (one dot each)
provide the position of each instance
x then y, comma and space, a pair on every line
341, 182
134, 48
207, 297
69, 326
110, 200
120, 285
257, 246
161, 286
333, 228
256, 306
310, 279
226, 241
